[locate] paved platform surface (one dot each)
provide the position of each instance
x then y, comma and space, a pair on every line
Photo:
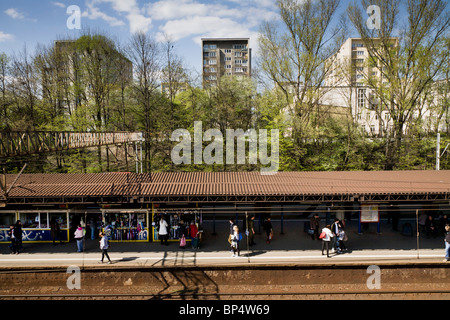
293, 247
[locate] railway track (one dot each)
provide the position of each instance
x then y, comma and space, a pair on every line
352, 295
301, 282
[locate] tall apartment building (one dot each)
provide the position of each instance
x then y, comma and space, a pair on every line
72, 67
225, 57
350, 70
353, 66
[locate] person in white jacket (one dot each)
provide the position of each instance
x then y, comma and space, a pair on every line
79, 236
326, 239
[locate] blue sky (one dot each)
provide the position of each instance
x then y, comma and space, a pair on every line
32, 22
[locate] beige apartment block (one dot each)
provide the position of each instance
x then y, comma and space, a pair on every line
225, 57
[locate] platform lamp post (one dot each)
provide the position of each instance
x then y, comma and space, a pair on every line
417, 234
247, 234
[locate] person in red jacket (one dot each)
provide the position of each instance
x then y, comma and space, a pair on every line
193, 233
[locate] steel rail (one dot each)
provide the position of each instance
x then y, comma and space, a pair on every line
231, 294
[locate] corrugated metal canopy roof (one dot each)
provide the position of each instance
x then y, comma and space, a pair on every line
230, 183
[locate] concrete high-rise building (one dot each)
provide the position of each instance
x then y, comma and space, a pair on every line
351, 70
225, 57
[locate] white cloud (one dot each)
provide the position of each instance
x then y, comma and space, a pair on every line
176, 9
5, 36
94, 13
229, 19
179, 9
59, 4
139, 23
13, 13
129, 8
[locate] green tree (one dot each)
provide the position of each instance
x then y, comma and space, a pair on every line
408, 56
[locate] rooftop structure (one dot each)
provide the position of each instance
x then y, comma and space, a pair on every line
371, 186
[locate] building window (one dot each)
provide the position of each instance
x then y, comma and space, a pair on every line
360, 53
361, 98
239, 46
228, 66
227, 58
227, 50
212, 54
212, 62
238, 54
238, 61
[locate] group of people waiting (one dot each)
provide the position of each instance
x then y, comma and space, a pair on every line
192, 230
432, 227
333, 236
235, 236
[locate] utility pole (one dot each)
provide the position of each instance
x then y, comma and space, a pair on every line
438, 151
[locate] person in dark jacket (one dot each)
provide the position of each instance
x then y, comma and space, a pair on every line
13, 246
251, 230
267, 226
314, 225
431, 227
18, 234
55, 231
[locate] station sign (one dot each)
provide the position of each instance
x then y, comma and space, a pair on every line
369, 213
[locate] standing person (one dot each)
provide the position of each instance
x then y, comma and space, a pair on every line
93, 226
431, 227
267, 226
235, 238
341, 238
251, 230
18, 235
163, 230
334, 244
232, 224
55, 231
443, 222
326, 239
104, 246
13, 246
193, 233
447, 243
422, 221
79, 237
314, 225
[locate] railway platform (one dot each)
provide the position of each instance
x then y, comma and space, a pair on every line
293, 247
